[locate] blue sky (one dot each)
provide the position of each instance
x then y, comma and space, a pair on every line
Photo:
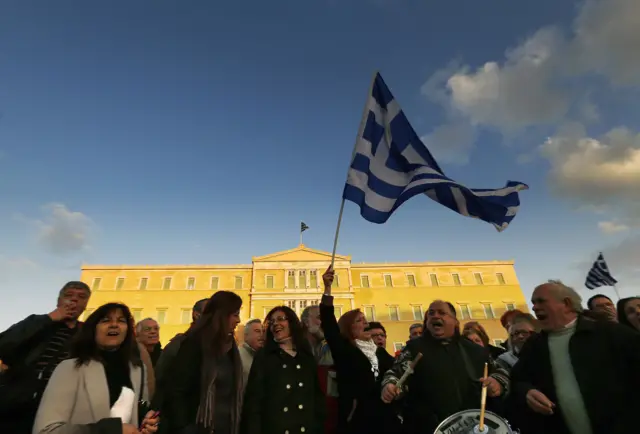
203, 132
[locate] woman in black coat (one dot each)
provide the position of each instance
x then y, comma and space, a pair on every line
283, 393
360, 366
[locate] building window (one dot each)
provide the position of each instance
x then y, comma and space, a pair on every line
336, 281
388, 282
137, 314
456, 279
417, 312
96, 283
370, 313
291, 304
511, 306
214, 283
191, 283
265, 311
302, 282
498, 342
337, 310
166, 283
144, 281
269, 282
478, 277
466, 311
302, 304
500, 278
364, 281
313, 274
185, 317
314, 302
411, 279
394, 315
238, 284
87, 312
434, 280
119, 283
398, 346
161, 315
488, 311
291, 279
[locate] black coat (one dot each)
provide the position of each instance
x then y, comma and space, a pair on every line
360, 407
606, 362
445, 381
283, 393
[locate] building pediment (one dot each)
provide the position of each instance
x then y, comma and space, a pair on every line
301, 253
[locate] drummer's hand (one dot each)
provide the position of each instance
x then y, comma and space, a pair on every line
494, 388
539, 403
389, 393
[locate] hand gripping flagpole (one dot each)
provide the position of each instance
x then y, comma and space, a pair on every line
363, 122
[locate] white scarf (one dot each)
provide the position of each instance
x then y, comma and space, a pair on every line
369, 348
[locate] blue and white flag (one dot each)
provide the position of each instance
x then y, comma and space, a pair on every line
599, 274
391, 165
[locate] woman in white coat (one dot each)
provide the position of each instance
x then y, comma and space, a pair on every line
98, 389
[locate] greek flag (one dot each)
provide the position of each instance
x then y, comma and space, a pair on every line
390, 165
303, 227
599, 274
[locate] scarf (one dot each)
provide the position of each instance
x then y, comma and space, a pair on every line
206, 409
369, 349
291, 351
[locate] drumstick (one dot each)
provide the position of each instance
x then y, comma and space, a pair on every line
409, 371
483, 399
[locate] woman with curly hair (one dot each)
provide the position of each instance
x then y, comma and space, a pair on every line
283, 393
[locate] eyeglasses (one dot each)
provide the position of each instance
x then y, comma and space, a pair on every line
280, 318
378, 335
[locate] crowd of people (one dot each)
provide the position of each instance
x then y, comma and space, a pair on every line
569, 370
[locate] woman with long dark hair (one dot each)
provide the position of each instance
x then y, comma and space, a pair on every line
283, 393
629, 312
204, 391
360, 364
105, 368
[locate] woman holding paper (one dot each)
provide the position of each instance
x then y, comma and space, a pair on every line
98, 389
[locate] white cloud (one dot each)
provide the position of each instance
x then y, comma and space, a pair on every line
520, 92
607, 41
450, 143
63, 231
612, 227
598, 171
536, 84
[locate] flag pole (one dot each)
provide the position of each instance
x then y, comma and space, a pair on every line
617, 293
363, 122
301, 231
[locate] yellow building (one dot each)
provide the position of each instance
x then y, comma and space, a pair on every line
396, 294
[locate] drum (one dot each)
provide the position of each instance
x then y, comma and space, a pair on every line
468, 422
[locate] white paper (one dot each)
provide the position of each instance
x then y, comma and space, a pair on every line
123, 407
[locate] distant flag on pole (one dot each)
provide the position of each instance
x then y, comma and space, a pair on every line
303, 227
390, 165
599, 274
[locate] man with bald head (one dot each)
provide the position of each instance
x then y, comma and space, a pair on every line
447, 379
578, 376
